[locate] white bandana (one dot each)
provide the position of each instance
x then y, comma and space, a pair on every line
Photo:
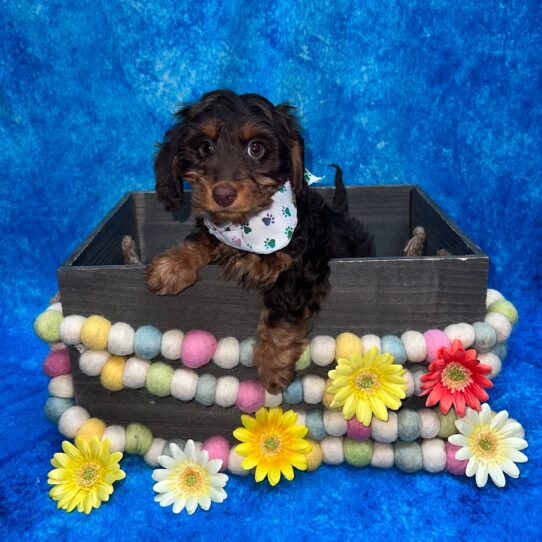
268, 231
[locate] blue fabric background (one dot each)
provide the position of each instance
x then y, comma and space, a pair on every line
443, 94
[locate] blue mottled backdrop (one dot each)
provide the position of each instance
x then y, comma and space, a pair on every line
443, 94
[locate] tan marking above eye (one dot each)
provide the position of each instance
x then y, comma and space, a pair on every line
209, 129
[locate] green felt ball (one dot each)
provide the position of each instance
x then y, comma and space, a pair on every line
358, 453
304, 360
138, 439
447, 424
158, 380
504, 307
47, 326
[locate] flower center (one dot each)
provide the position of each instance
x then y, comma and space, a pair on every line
270, 445
87, 474
455, 376
366, 381
191, 480
486, 444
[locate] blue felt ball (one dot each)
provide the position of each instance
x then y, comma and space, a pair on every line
147, 342
394, 346
293, 394
315, 423
56, 406
500, 350
485, 337
206, 391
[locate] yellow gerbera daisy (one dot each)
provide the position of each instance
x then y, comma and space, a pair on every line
491, 444
273, 443
84, 474
367, 385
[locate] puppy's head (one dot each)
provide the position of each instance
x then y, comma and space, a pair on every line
235, 151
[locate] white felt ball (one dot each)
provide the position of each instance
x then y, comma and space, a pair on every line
71, 421
184, 384
91, 362
227, 389
492, 296
500, 324
156, 449
491, 359
385, 431
55, 307
314, 388
61, 386
234, 463
323, 350
135, 373
57, 346
410, 383
301, 417
116, 434
334, 423
433, 455
226, 354
120, 341
332, 450
70, 329
415, 347
430, 423
172, 342
417, 372
383, 456
370, 341
272, 399
463, 332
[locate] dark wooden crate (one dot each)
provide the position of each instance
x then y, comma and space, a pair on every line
384, 294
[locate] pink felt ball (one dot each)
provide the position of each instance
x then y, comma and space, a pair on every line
453, 465
357, 431
218, 448
435, 339
57, 363
251, 396
198, 348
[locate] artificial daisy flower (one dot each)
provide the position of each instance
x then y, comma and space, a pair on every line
490, 444
273, 443
367, 385
456, 378
189, 479
84, 474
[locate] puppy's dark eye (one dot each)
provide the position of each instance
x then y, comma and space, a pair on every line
206, 148
255, 149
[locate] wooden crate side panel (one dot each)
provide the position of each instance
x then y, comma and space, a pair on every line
385, 211
367, 296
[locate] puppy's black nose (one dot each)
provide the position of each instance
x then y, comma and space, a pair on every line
224, 195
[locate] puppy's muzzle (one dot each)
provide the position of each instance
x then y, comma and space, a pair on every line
224, 194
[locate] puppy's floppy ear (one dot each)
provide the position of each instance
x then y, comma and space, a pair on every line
289, 130
169, 184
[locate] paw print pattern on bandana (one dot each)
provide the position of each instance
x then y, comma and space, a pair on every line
268, 219
286, 211
269, 243
288, 231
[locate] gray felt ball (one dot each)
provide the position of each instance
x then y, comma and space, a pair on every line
409, 424
408, 456
246, 348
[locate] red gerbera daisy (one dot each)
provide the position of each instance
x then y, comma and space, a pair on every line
456, 377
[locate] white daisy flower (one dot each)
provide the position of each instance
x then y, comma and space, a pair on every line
189, 479
491, 444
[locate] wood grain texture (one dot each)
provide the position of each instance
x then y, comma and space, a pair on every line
166, 417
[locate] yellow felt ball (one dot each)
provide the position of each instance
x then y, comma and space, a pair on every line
92, 427
328, 397
111, 375
95, 332
347, 344
314, 457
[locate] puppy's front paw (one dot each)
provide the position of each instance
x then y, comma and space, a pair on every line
164, 276
274, 370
